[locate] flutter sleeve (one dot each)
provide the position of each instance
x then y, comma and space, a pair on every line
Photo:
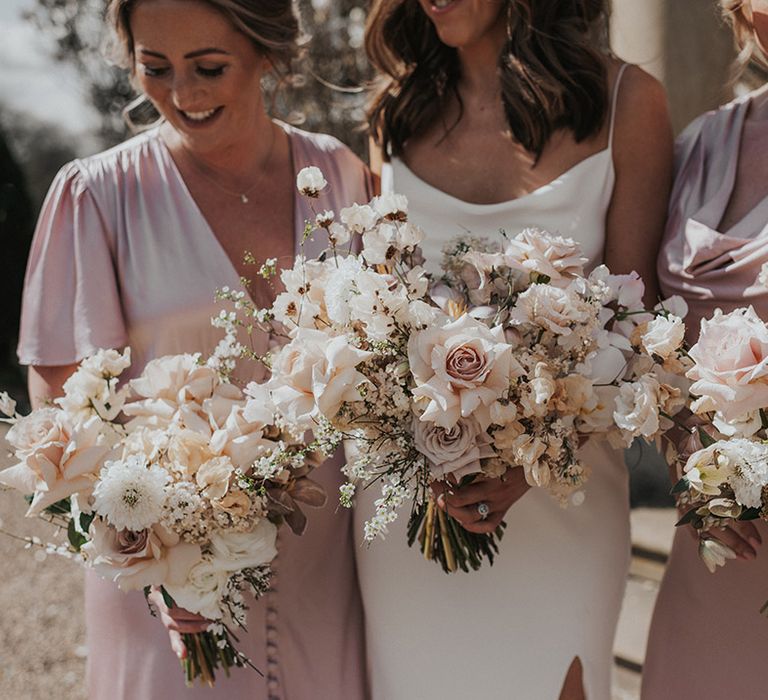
71, 302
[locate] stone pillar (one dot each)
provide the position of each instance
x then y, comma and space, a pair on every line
684, 43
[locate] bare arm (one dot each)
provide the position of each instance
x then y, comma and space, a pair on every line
45, 383
642, 156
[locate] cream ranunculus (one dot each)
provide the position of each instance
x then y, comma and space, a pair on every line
135, 560
552, 308
462, 368
731, 364
232, 551
458, 450
535, 251
66, 460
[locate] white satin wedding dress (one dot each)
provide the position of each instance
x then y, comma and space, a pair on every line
510, 631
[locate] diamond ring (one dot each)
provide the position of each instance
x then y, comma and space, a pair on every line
483, 510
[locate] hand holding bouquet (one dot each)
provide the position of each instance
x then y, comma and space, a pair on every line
725, 479
511, 358
176, 480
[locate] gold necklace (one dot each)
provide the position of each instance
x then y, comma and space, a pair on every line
242, 196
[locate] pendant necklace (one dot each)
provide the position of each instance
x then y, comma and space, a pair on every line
242, 196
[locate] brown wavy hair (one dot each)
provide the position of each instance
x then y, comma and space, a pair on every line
552, 71
272, 25
750, 50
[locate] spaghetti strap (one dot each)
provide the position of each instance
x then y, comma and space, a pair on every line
614, 101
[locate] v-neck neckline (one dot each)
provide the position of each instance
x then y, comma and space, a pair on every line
712, 212
206, 226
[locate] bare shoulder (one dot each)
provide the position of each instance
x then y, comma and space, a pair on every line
641, 102
642, 124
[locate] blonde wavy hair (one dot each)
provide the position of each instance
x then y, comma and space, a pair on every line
750, 50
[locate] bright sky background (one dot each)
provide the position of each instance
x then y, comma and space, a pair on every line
31, 81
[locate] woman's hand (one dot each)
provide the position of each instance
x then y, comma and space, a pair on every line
177, 621
740, 535
498, 494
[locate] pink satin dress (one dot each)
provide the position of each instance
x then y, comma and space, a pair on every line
708, 639
123, 256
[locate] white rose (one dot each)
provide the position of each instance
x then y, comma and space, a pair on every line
663, 336
310, 181
202, 590
458, 450
233, 551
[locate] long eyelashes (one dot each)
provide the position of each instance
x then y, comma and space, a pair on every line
159, 72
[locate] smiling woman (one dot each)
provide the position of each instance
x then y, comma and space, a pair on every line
130, 247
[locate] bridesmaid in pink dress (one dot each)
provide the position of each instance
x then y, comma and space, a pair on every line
129, 250
708, 639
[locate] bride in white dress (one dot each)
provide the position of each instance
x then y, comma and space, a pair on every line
503, 114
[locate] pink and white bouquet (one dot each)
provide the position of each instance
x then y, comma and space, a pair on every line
176, 480
725, 474
510, 359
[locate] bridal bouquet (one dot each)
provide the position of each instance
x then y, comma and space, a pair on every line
176, 480
726, 476
511, 358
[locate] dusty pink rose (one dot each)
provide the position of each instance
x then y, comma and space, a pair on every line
135, 560
458, 450
462, 368
731, 364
